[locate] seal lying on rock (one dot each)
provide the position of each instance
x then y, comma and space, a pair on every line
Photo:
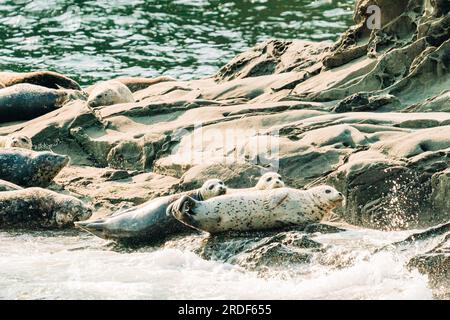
28, 101
16, 141
46, 79
138, 83
257, 210
28, 168
8, 186
108, 93
40, 208
268, 181
148, 222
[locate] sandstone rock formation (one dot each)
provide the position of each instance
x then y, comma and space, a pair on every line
369, 114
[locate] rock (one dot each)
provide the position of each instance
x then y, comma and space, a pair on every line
352, 114
440, 183
259, 250
274, 56
439, 103
437, 266
111, 190
115, 175
364, 102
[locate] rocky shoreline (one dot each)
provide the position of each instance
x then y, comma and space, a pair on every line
369, 115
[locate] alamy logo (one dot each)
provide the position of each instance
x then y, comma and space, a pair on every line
374, 20
206, 145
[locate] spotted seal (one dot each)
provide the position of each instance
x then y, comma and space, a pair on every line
109, 93
139, 83
38, 208
28, 101
16, 141
149, 222
268, 181
28, 168
258, 209
46, 79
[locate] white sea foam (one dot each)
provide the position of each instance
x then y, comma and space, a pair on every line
74, 267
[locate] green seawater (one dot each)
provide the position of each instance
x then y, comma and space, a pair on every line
187, 39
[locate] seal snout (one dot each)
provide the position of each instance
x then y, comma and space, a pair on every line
222, 190
339, 199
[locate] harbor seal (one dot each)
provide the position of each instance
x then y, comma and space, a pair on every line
149, 222
29, 101
8, 186
139, 83
268, 181
16, 141
109, 93
28, 168
257, 210
46, 79
38, 208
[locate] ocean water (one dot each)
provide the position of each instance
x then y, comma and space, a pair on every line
186, 39
72, 265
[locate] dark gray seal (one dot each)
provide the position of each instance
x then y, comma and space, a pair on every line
149, 222
37, 208
46, 79
28, 101
28, 168
16, 141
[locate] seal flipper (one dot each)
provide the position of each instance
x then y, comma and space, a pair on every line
182, 210
96, 227
275, 198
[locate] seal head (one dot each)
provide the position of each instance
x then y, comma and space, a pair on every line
48, 165
18, 141
326, 197
211, 188
270, 180
70, 210
109, 93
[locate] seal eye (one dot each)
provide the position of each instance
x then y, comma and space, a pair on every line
211, 187
328, 191
269, 179
23, 140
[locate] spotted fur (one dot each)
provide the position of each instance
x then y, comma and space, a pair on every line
257, 210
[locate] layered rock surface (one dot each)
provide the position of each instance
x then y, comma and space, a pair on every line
368, 114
